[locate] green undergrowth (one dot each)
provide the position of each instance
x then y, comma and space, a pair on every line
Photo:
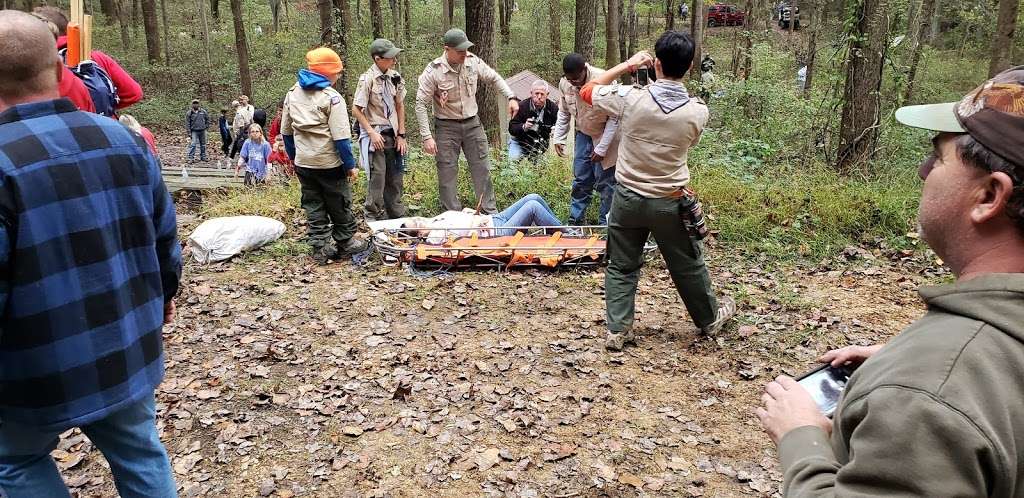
784, 212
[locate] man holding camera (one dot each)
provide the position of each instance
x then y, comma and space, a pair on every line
531, 126
659, 123
936, 411
450, 83
593, 165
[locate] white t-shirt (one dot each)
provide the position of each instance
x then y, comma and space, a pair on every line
465, 219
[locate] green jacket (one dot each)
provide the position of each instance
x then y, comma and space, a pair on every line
938, 412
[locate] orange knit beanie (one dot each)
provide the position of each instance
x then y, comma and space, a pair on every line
324, 61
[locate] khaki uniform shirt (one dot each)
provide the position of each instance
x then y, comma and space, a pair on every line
587, 119
316, 118
453, 90
654, 146
369, 96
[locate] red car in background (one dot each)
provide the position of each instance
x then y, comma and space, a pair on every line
725, 15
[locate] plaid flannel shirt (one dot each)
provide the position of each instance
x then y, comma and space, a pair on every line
88, 257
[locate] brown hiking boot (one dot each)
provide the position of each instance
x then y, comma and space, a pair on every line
726, 310
615, 341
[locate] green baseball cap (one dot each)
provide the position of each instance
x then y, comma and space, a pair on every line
457, 39
384, 48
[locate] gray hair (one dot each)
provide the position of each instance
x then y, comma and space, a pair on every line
540, 85
130, 122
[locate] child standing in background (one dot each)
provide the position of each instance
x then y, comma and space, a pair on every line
279, 159
255, 155
225, 132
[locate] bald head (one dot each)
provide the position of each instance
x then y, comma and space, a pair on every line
29, 64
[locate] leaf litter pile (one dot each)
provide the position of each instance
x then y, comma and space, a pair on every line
285, 379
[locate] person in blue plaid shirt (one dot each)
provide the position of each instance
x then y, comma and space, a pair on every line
90, 264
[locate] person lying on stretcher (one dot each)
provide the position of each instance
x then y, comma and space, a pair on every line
531, 210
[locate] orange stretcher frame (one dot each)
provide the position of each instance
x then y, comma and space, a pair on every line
546, 247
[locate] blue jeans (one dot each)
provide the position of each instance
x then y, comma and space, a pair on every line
515, 152
127, 438
587, 176
531, 210
198, 138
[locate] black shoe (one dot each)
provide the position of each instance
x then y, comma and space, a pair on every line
325, 254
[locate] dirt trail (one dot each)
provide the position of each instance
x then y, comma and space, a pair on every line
289, 380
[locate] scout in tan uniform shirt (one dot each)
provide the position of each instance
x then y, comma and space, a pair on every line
658, 125
450, 83
379, 106
596, 141
317, 137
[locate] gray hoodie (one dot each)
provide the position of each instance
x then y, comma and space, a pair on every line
938, 412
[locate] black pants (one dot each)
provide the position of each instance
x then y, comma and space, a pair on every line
225, 143
327, 200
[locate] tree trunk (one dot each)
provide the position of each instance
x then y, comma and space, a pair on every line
215, 9
325, 11
167, 32
586, 24
820, 13
208, 84
794, 7
136, 16
555, 28
480, 29
670, 15
503, 21
869, 40
339, 42
623, 30
107, 8
1002, 38
275, 14
697, 23
396, 21
152, 28
927, 6
241, 47
933, 30
647, 31
120, 10
631, 30
408, 19
447, 14
376, 19
612, 21
746, 64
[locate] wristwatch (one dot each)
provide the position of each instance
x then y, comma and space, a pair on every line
401, 135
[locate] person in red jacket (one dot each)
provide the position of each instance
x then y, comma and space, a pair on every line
68, 85
275, 124
129, 91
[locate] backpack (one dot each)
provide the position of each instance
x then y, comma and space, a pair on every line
101, 88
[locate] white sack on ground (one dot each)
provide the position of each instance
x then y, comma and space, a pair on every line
221, 238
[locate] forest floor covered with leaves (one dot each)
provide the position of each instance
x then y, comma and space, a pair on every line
288, 379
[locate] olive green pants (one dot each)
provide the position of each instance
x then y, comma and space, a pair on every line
464, 135
632, 218
384, 186
327, 200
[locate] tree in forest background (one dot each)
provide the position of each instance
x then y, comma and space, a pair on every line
480, 30
861, 117
586, 25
